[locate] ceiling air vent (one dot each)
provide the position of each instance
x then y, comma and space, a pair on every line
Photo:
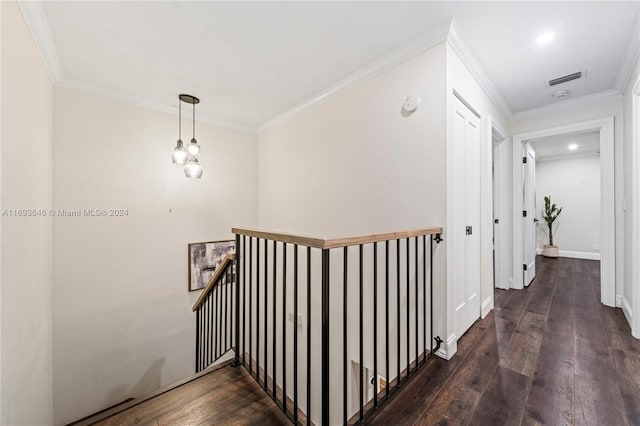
566, 78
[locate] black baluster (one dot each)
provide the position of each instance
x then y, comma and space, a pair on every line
360, 336
223, 310
308, 335
408, 304
284, 328
416, 295
431, 293
266, 320
344, 333
398, 309
386, 316
295, 334
218, 324
273, 315
325, 338
258, 309
250, 307
375, 325
198, 339
244, 299
208, 310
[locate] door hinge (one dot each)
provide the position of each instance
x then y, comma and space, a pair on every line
469, 230
524, 266
524, 213
496, 221
524, 160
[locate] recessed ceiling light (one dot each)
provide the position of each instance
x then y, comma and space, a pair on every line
573, 146
544, 38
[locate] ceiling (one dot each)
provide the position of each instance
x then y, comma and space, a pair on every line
250, 62
557, 147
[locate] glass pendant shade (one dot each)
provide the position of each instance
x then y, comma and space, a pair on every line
193, 148
193, 169
179, 155
186, 154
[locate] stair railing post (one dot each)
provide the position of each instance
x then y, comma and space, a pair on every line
237, 268
325, 337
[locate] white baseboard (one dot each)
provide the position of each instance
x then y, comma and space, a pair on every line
627, 311
618, 301
486, 307
574, 254
449, 348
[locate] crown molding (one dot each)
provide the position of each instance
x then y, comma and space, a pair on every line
41, 33
582, 100
473, 65
631, 57
436, 35
144, 103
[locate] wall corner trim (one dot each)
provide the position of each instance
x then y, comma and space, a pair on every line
150, 105
41, 33
431, 38
631, 56
456, 41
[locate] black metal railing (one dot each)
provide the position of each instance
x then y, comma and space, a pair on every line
333, 328
215, 315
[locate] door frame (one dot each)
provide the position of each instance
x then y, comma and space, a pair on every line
605, 126
635, 209
501, 177
530, 274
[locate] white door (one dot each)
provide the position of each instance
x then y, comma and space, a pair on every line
466, 211
529, 215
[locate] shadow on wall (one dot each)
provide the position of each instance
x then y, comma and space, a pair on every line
149, 380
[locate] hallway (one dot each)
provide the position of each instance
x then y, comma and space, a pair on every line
550, 354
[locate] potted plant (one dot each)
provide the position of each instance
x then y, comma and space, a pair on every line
551, 213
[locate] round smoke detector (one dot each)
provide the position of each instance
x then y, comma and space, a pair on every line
561, 94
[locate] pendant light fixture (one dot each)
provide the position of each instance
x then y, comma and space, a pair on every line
187, 156
179, 155
193, 148
193, 169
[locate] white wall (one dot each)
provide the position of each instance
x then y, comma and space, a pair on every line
355, 164
630, 295
569, 114
574, 185
27, 101
123, 325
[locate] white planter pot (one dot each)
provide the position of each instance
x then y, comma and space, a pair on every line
550, 251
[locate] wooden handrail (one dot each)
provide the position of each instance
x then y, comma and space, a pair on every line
330, 243
228, 260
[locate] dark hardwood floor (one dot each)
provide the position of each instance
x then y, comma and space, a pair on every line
548, 355
228, 396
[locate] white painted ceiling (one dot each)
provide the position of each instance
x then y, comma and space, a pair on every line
557, 147
251, 61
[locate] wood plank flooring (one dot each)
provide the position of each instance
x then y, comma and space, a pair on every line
548, 355
228, 396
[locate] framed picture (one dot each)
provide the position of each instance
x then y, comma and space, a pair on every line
204, 259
